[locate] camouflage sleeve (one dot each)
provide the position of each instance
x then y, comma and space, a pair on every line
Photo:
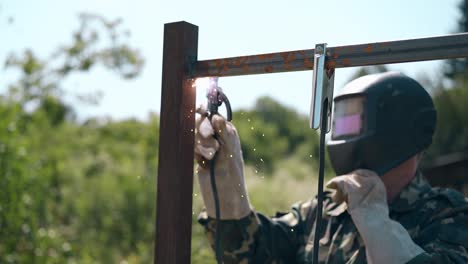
445, 240
260, 239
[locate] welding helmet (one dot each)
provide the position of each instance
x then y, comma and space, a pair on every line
380, 121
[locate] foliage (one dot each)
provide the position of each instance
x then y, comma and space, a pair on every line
450, 101
271, 132
61, 181
452, 121
42, 77
455, 67
75, 192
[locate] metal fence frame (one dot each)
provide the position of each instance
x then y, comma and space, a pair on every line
177, 116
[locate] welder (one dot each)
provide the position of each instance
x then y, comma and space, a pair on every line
379, 209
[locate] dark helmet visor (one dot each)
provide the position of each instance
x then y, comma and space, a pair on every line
349, 117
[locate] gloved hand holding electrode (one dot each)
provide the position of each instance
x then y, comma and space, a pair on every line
219, 137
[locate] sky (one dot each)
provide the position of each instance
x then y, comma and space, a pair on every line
226, 29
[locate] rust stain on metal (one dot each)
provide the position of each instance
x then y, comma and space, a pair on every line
308, 64
268, 68
263, 57
330, 64
218, 62
225, 64
346, 62
237, 62
284, 55
369, 48
287, 57
245, 68
244, 59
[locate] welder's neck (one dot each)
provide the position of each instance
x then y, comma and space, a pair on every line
397, 178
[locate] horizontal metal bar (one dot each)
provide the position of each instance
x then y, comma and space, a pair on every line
423, 49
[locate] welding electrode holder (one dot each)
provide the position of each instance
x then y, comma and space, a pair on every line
320, 118
216, 97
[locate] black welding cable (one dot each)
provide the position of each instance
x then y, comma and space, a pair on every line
218, 249
218, 252
318, 216
228, 106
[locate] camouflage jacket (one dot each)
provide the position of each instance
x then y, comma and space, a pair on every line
436, 219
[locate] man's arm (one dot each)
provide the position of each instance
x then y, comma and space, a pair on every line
445, 239
246, 236
257, 238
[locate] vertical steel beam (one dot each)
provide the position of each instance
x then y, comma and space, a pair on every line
177, 123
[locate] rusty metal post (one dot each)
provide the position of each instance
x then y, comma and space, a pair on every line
177, 123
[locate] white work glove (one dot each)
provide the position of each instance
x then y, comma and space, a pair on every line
386, 240
229, 166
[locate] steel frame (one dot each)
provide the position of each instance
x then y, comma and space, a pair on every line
176, 141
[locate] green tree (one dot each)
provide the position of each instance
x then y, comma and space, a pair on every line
271, 132
453, 68
44, 154
450, 101
98, 41
452, 121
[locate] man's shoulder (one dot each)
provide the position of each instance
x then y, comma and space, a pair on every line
447, 196
438, 204
443, 215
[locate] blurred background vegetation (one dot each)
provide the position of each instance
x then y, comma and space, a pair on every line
84, 191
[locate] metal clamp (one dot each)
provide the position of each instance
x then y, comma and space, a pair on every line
322, 88
216, 97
